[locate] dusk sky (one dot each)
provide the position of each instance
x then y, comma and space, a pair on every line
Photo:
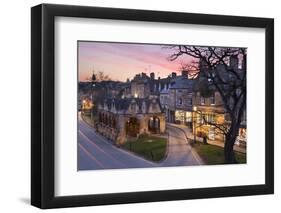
121, 60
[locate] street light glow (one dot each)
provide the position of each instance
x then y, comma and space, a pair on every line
136, 95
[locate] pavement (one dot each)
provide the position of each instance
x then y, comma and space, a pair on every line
96, 152
189, 135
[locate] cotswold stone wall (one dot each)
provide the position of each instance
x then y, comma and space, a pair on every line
106, 131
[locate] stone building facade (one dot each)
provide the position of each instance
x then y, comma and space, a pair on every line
211, 109
130, 117
179, 100
142, 85
208, 110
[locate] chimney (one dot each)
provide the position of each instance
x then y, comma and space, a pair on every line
174, 75
152, 75
184, 73
143, 75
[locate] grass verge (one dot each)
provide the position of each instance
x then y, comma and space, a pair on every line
150, 147
213, 155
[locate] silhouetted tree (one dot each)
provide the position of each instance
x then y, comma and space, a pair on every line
217, 67
98, 76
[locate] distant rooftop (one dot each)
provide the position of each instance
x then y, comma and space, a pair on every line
182, 82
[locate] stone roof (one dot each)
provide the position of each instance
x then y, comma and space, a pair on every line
164, 91
122, 104
183, 82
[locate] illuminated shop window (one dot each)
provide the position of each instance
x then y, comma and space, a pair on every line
188, 116
179, 115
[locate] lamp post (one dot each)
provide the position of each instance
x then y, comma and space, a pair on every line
194, 123
92, 95
83, 106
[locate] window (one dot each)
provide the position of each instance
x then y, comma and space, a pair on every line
202, 100
212, 99
209, 118
180, 101
199, 118
154, 107
133, 107
189, 101
179, 115
188, 116
143, 108
165, 99
212, 134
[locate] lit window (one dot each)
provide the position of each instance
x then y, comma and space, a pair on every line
179, 115
188, 116
210, 118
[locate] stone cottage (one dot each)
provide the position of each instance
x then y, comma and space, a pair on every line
130, 117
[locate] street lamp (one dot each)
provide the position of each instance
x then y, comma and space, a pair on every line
194, 125
83, 105
136, 95
92, 95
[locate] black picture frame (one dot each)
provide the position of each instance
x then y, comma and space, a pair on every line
43, 102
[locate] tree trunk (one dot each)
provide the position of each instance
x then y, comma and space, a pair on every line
230, 138
229, 155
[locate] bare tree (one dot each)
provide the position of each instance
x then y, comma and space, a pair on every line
99, 76
102, 77
218, 68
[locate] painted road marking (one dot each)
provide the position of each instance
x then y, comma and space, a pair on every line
95, 145
90, 155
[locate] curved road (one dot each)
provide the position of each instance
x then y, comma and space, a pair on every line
180, 153
95, 152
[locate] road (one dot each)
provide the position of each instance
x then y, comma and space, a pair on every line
95, 152
180, 152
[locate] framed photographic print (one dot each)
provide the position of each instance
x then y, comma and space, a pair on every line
140, 106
